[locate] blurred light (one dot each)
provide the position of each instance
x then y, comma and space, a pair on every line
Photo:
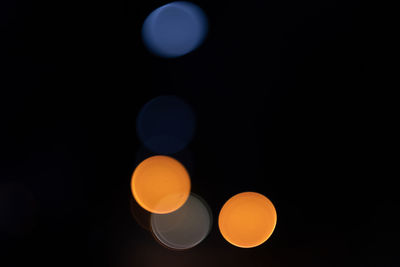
185, 227
160, 184
185, 156
174, 29
247, 219
166, 124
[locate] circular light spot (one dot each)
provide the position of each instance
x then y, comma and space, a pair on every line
174, 29
160, 184
166, 124
185, 227
247, 219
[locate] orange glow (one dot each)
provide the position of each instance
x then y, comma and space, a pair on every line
247, 219
160, 184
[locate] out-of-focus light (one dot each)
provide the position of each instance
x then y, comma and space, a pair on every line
185, 227
160, 184
185, 156
174, 29
166, 124
247, 219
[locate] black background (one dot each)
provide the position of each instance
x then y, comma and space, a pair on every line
281, 94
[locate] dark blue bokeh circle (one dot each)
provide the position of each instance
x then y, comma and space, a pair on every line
166, 124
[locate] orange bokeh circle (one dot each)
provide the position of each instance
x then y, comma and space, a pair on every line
160, 184
247, 219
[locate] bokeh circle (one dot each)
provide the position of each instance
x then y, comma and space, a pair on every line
247, 219
160, 184
174, 29
185, 227
166, 124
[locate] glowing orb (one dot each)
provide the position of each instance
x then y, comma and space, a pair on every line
166, 124
247, 219
160, 184
185, 227
174, 29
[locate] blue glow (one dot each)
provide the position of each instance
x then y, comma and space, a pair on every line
166, 124
174, 29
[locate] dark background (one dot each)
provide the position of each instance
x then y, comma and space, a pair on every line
281, 91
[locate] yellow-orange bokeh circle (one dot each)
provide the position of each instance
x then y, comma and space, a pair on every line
247, 219
160, 184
